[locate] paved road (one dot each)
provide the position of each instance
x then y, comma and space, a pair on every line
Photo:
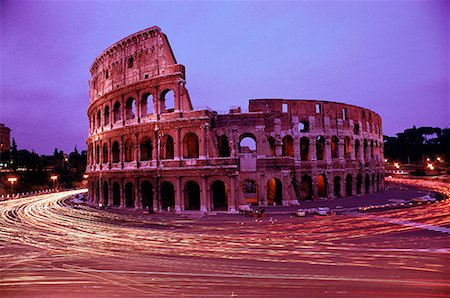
50, 249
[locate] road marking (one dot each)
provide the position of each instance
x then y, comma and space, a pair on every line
404, 222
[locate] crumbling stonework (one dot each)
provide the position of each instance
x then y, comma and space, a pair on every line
152, 151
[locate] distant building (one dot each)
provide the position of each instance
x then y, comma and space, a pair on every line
5, 138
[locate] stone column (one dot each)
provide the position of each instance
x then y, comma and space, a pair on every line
110, 193
352, 150
138, 106
122, 152
262, 190
202, 147
312, 149
179, 204
137, 194
123, 111
177, 146
315, 191
122, 194
232, 195
343, 191
136, 148
327, 150
204, 195
101, 198
330, 185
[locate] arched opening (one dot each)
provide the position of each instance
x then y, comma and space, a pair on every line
357, 150
337, 187
274, 192
167, 196
191, 196
117, 115
271, 141
146, 149
168, 147
147, 195
347, 147
168, 101
146, 105
116, 194
320, 148
365, 150
99, 118
219, 195
303, 126
116, 152
129, 150
105, 153
288, 146
306, 187
224, 147
129, 195
250, 191
322, 186
374, 188
97, 154
371, 149
91, 153
247, 143
190, 145
359, 184
105, 194
367, 183
348, 185
304, 148
106, 115
130, 108
334, 147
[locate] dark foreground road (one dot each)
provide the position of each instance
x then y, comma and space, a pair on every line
50, 249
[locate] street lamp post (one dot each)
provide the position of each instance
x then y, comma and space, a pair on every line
12, 180
54, 178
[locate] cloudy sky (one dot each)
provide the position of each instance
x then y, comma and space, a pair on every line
391, 57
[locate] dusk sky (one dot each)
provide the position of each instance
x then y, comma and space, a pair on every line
390, 57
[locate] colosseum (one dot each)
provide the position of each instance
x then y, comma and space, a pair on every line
149, 149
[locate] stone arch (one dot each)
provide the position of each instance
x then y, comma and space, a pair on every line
334, 147
359, 184
130, 108
271, 142
106, 115
288, 146
250, 189
337, 186
116, 194
349, 185
223, 145
219, 195
274, 191
99, 118
306, 187
115, 152
371, 149
117, 114
347, 146
168, 147
190, 145
303, 126
105, 194
191, 196
320, 148
304, 148
105, 155
129, 195
365, 149
128, 150
322, 186
167, 101
357, 150
247, 143
97, 154
147, 195
146, 149
146, 104
167, 196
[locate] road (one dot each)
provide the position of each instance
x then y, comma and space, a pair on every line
51, 249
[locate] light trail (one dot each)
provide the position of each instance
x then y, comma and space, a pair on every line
50, 247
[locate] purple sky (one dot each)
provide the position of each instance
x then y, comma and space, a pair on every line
391, 57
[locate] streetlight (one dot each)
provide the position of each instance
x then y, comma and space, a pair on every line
85, 176
430, 166
12, 180
54, 178
396, 165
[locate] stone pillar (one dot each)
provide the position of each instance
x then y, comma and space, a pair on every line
286, 198
341, 150
110, 154
232, 195
177, 146
327, 150
343, 191
204, 195
122, 194
330, 185
354, 183
137, 194
111, 113
262, 190
136, 149
352, 150
123, 111
110, 193
122, 152
179, 204
315, 191
138, 106
101, 198
312, 149
202, 143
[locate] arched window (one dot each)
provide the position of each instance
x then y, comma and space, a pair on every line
337, 187
247, 144
99, 118
272, 145
129, 195
116, 194
97, 154
334, 147
371, 149
288, 146
322, 186
115, 152
357, 150
192, 196
129, 152
146, 104
190, 145
304, 148
320, 148
116, 110
366, 153
303, 126
249, 188
146, 149
347, 146
105, 153
106, 115
130, 108
219, 195
306, 187
348, 185
168, 101
167, 196
168, 147
224, 147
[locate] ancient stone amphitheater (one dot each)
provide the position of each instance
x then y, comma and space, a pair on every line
149, 149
